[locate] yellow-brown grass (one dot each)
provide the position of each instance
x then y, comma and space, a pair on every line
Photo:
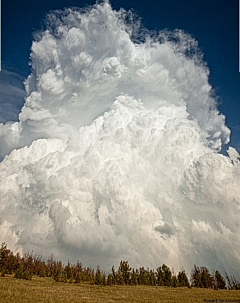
46, 290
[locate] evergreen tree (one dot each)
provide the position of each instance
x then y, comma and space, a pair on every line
58, 275
201, 277
196, 280
183, 279
114, 276
78, 277
152, 278
27, 275
4, 254
64, 278
159, 276
68, 270
109, 279
3, 273
167, 275
42, 272
104, 279
143, 276
219, 281
50, 266
124, 273
233, 283
134, 280
8, 262
98, 276
19, 273
174, 281
207, 278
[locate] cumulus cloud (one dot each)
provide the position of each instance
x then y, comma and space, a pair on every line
115, 155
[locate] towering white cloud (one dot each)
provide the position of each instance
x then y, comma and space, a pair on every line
116, 152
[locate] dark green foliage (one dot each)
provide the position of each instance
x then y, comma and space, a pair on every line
207, 278
114, 276
183, 279
19, 273
51, 266
27, 275
143, 277
174, 281
58, 275
159, 276
109, 279
219, 281
3, 273
8, 262
23, 274
98, 276
124, 273
68, 270
167, 275
134, 280
64, 278
4, 254
152, 278
164, 276
42, 272
201, 277
104, 281
78, 278
89, 275
27, 266
233, 283
196, 280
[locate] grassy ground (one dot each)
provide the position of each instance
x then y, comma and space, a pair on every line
46, 290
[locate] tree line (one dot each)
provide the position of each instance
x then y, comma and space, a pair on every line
24, 267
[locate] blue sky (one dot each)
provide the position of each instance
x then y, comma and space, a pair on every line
213, 23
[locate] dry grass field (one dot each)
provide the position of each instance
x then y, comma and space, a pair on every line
46, 290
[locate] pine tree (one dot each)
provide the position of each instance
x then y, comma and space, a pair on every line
8, 262
183, 279
78, 277
124, 273
114, 276
109, 279
196, 277
50, 266
134, 277
104, 279
58, 275
98, 276
64, 277
143, 276
42, 272
233, 283
4, 254
19, 273
200, 277
159, 276
207, 278
27, 275
167, 275
219, 281
68, 270
152, 278
174, 281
